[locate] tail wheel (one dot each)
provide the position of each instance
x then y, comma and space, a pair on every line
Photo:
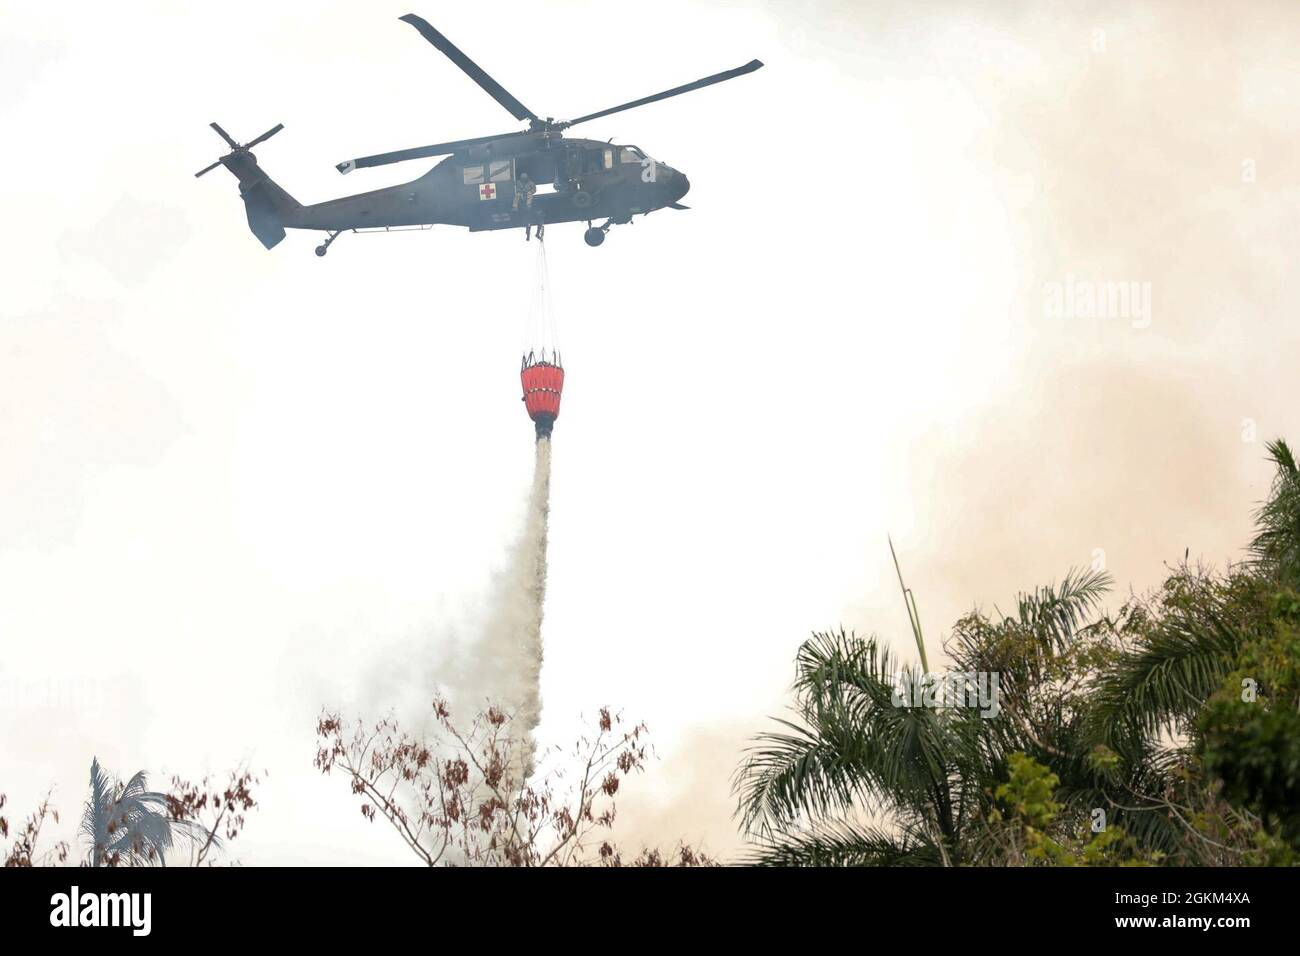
594, 236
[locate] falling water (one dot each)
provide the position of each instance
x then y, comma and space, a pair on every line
509, 656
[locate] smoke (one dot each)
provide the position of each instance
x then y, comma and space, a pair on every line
506, 663
488, 652
689, 797
1148, 145
1151, 143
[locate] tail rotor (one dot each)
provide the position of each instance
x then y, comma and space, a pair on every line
235, 147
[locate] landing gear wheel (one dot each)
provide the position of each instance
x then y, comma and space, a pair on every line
594, 236
324, 247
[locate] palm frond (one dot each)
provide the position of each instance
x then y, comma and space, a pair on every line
1056, 613
913, 615
855, 744
1275, 549
1162, 684
786, 776
129, 823
847, 844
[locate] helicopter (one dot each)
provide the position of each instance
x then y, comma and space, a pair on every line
485, 183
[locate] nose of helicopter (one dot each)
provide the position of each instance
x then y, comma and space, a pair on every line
674, 187
681, 186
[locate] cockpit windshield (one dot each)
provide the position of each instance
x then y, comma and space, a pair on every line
630, 154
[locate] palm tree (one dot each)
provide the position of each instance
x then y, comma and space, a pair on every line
926, 774
1188, 646
1183, 651
127, 824
1157, 696
1275, 549
1114, 709
849, 746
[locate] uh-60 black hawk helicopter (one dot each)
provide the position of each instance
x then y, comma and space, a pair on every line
489, 182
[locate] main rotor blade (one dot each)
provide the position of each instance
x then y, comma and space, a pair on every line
224, 135
207, 169
749, 67
265, 136
475, 72
419, 152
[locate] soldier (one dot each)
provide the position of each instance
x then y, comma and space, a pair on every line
525, 188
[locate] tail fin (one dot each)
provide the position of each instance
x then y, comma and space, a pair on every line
268, 206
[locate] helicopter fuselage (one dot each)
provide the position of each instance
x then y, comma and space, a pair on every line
487, 187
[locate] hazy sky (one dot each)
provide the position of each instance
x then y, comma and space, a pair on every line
239, 485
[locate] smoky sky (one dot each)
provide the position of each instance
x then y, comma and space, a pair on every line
1141, 144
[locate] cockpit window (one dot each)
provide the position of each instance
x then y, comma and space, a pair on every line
473, 175
630, 154
609, 159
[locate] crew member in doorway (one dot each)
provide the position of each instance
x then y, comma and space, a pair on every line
525, 189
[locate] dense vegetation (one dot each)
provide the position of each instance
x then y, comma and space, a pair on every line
1164, 733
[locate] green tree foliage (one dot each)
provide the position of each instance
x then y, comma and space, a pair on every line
1167, 732
1250, 730
924, 775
